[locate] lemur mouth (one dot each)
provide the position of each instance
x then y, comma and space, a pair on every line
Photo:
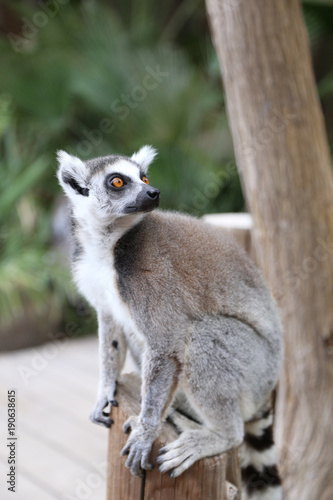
144, 207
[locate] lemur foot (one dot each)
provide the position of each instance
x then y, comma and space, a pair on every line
138, 447
99, 416
177, 456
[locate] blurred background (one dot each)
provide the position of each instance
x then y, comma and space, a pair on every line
97, 78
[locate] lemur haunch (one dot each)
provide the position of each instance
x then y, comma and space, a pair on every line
194, 312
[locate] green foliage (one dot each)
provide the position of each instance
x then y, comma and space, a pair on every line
99, 79
27, 266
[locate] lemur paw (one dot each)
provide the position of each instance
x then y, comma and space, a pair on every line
176, 457
138, 447
99, 416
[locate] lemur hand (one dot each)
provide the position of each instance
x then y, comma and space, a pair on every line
138, 446
98, 415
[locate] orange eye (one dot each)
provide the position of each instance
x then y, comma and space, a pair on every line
117, 182
145, 179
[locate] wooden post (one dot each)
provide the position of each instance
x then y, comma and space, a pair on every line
284, 160
215, 478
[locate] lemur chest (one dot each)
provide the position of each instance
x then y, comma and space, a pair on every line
97, 281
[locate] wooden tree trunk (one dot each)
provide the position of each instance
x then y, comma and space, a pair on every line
215, 478
283, 156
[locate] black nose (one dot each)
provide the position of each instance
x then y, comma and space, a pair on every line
153, 193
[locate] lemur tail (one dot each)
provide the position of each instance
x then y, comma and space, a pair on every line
260, 475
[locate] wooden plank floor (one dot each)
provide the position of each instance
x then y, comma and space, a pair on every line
60, 453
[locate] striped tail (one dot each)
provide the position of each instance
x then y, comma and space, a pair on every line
260, 475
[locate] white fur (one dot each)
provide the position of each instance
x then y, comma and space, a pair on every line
123, 167
95, 277
257, 427
144, 157
272, 493
248, 407
259, 459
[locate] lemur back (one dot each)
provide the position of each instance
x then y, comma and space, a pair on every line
203, 269
192, 308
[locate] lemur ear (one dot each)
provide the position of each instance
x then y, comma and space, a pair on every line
72, 174
144, 157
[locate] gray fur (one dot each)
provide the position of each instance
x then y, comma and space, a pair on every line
189, 304
112, 352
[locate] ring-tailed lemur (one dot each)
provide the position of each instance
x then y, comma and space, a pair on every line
194, 312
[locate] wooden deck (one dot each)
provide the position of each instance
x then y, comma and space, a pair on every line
60, 453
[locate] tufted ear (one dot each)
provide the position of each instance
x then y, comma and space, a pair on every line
144, 157
72, 174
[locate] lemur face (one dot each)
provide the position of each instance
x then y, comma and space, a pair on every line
110, 186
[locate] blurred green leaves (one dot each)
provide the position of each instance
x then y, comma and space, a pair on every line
16, 186
26, 264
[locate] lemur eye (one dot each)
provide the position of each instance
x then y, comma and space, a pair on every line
117, 182
145, 179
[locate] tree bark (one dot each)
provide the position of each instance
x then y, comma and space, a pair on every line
283, 156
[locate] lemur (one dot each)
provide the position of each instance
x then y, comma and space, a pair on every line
194, 312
